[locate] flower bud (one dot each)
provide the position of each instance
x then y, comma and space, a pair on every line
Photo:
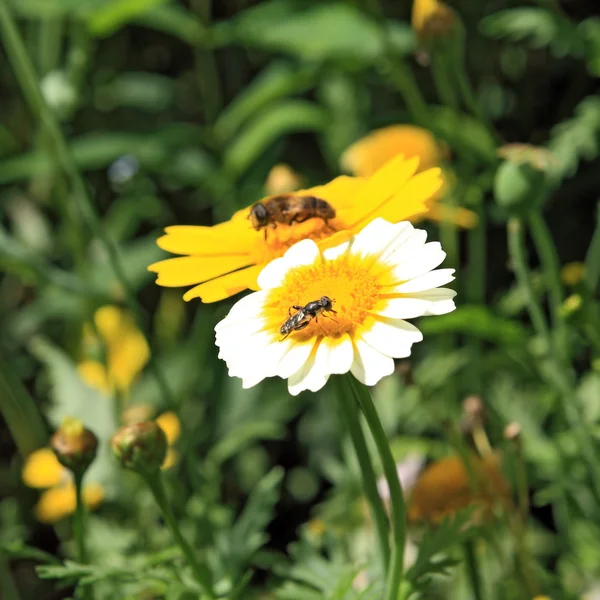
433, 20
517, 187
512, 432
282, 179
74, 445
140, 446
473, 414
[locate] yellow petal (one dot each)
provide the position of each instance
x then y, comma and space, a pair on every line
454, 214
42, 469
170, 460
370, 153
188, 270
340, 192
169, 423
59, 502
95, 375
207, 241
108, 320
127, 358
225, 286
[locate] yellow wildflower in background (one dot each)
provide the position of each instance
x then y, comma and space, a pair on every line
572, 273
226, 259
432, 19
281, 180
125, 347
368, 154
43, 471
444, 488
170, 424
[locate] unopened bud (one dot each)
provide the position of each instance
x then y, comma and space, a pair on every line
571, 305
141, 447
473, 414
433, 20
282, 179
517, 187
74, 445
512, 432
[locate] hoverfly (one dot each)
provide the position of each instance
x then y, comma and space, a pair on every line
288, 209
305, 314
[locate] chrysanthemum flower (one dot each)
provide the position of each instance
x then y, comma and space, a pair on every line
43, 471
375, 281
226, 259
369, 153
445, 487
124, 345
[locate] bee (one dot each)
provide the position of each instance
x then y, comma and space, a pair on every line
288, 209
305, 314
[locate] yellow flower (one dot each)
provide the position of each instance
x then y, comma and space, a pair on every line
368, 154
432, 19
344, 309
572, 273
42, 471
126, 351
281, 180
444, 488
226, 259
170, 424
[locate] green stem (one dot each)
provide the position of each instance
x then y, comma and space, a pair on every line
551, 268
26, 76
201, 573
350, 415
8, 587
442, 82
20, 412
403, 79
473, 570
396, 569
79, 523
592, 257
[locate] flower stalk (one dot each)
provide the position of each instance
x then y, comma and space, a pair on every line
396, 565
350, 415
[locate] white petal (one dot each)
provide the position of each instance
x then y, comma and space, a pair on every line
369, 365
336, 354
332, 253
424, 260
391, 337
296, 355
311, 376
401, 308
425, 282
304, 252
374, 238
440, 299
245, 309
406, 244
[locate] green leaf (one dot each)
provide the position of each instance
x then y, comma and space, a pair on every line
590, 30
464, 134
270, 125
450, 531
112, 15
576, 139
538, 27
174, 20
317, 32
278, 80
479, 322
247, 534
71, 397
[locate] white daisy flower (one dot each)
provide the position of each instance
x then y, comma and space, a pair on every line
374, 282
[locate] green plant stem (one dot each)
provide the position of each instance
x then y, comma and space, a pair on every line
403, 79
551, 268
442, 81
79, 521
20, 412
556, 373
396, 569
350, 414
473, 572
201, 573
592, 257
27, 78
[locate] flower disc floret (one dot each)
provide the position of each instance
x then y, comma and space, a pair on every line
375, 281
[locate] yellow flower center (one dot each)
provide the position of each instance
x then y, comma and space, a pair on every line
347, 281
279, 239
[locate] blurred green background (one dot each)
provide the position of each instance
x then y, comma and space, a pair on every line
175, 112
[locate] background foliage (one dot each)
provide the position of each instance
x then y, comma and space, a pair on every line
174, 113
